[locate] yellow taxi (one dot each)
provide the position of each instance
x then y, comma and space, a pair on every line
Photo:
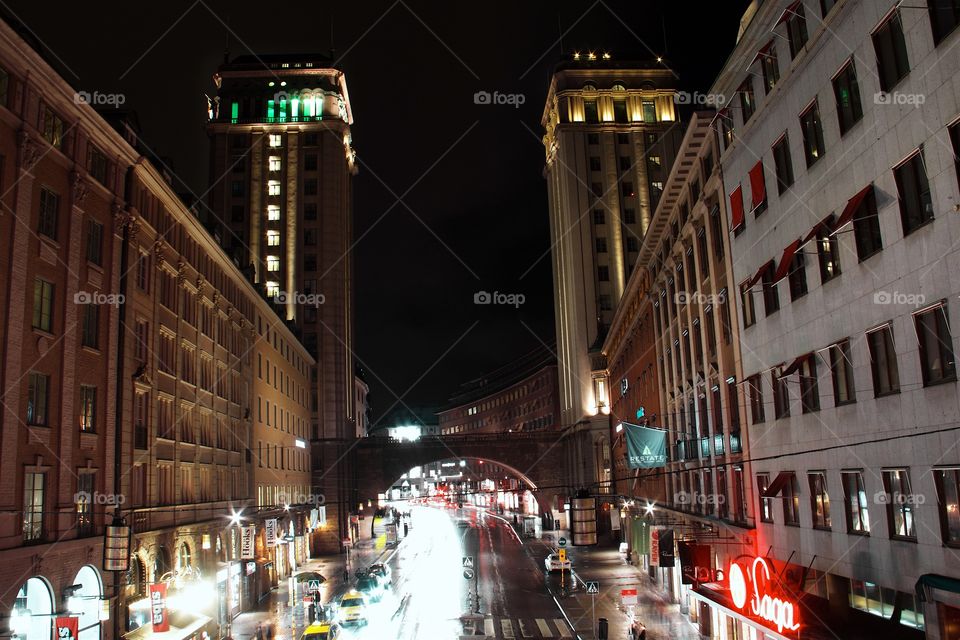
353, 608
321, 631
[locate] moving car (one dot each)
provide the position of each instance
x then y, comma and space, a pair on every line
552, 563
370, 586
353, 608
321, 631
382, 572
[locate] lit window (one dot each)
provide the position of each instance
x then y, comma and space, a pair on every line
274, 163
273, 238
274, 140
273, 212
273, 289
273, 188
273, 263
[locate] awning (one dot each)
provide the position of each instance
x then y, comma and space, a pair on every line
935, 581
794, 366
788, 13
776, 487
759, 274
736, 207
783, 269
762, 52
853, 204
826, 223
758, 189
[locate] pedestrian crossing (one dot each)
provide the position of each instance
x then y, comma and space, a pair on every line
518, 628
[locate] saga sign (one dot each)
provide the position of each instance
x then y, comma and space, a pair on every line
777, 611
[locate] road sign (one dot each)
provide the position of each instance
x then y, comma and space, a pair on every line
468, 562
468, 574
313, 585
593, 587
563, 555
562, 542
628, 596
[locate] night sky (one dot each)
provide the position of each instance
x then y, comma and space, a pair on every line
450, 198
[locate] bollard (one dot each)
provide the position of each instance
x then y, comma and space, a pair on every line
602, 630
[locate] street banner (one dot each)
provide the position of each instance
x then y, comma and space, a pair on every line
67, 628
667, 556
158, 608
641, 537
247, 536
270, 526
646, 448
655, 548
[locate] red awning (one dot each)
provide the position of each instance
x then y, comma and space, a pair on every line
826, 223
774, 489
795, 365
761, 53
786, 260
788, 13
736, 207
758, 189
759, 274
853, 204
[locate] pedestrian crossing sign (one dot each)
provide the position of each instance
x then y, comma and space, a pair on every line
593, 587
313, 585
468, 562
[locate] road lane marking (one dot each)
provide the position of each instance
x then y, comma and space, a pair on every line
563, 628
507, 627
525, 629
544, 628
488, 628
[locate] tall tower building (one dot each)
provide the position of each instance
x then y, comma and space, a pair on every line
611, 138
281, 169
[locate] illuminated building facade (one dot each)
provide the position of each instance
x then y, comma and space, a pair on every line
281, 169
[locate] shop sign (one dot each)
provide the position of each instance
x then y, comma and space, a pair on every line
755, 585
247, 536
158, 608
667, 557
655, 548
628, 596
251, 568
67, 628
270, 526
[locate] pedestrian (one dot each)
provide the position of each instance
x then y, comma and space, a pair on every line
259, 632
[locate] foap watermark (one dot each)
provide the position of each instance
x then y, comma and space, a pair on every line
897, 98
509, 299
512, 99
896, 297
912, 499
700, 99
97, 99
109, 499
695, 297
299, 298
98, 298
295, 497
703, 499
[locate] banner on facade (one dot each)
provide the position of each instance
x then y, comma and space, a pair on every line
248, 535
655, 548
646, 448
666, 552
270, 527
158, 608
66, 628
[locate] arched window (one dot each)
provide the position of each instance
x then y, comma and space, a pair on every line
136, 578
161, 563
589, 86
184, 564
86, 602
618, 87
32, 610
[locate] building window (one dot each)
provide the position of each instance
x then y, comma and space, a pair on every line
33, 503
797, 277
826, 6
781, 395
770, 67
142, 346
94, 242
90, 330
627, 188
309, 211
632, 244
883, 361
310, 162
273, 289
273, 212
791, 501
236, 213
948, 499
747, 102
783, 164
916, 204
866, 227
273, 263
187, 364
84, 503
900, 501
955, 141
766, 504
97, 163
944, 17
891, 50
601, 245
841, 367
43, 305
88, 408
746, 301
809, 389
797, 30
828, 256
274, 140
771, 298
855, 502
273, 163
649, 111
49, 213
52, 127
594, 163
598, 216
273, 238
38, 396
755, 394
603, 274
846, 90
819, 499
936, 345
812, 128
273, 187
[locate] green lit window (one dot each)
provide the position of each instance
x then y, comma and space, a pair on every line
294, 108
283, 109
308, 107
270, 109
234, 111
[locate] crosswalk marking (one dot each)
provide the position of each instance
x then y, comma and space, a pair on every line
488, 628
544, 628
562, 626
525, 630
507, 626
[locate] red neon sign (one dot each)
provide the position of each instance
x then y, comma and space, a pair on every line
774, 610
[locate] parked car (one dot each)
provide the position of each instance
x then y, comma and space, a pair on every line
552, 563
